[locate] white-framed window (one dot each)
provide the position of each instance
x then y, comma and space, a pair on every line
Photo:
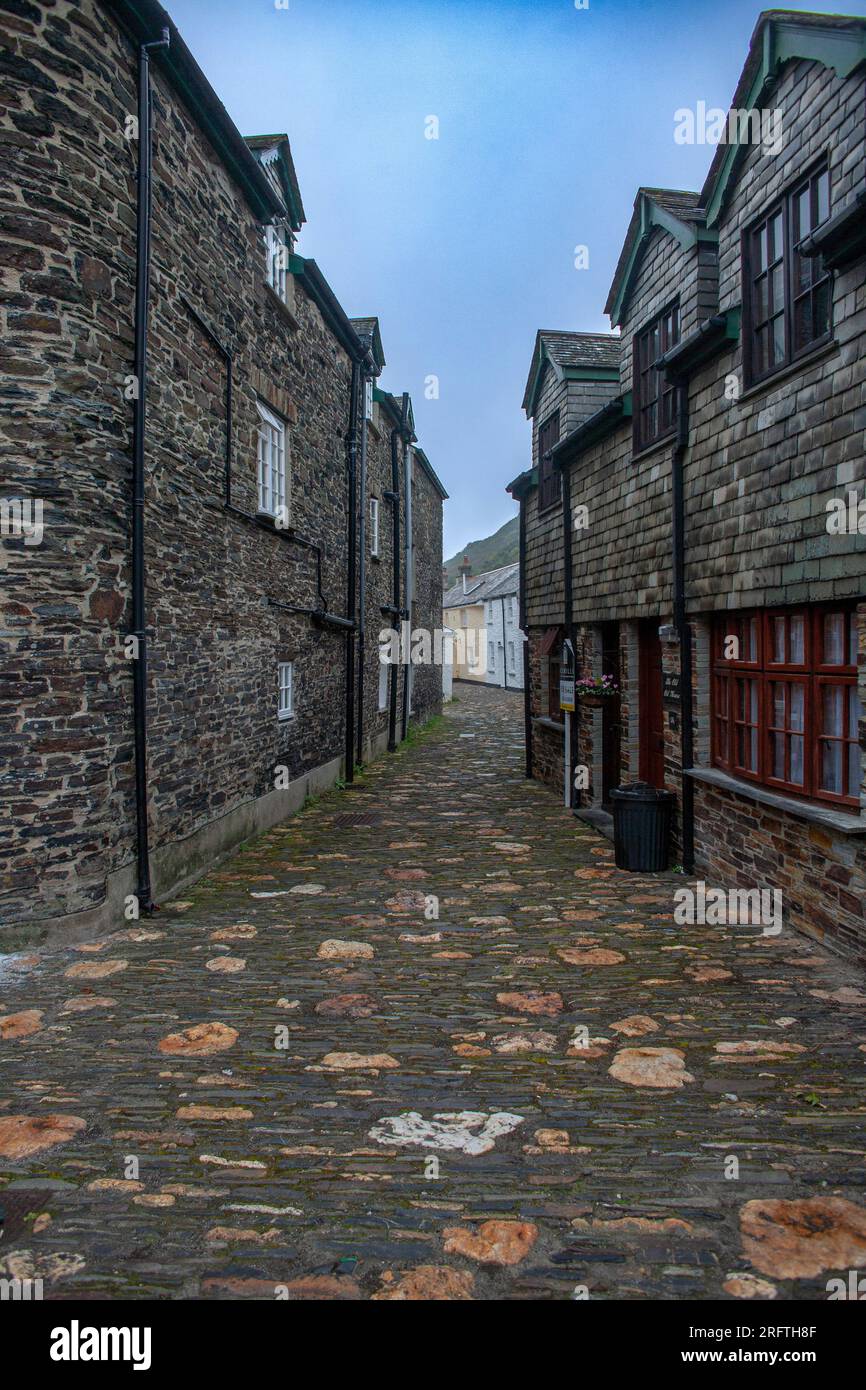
511, 656
278, 260
374, 526
368, 398
286, 690
384, 672
272, 465
491, 656
464, 618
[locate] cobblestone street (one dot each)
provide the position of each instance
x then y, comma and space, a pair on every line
295, 1050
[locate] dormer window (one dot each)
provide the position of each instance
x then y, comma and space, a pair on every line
277, 259
653, 404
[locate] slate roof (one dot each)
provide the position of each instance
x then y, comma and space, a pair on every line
480, 587
566, 349
678, 202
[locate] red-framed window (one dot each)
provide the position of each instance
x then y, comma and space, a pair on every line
653, 405
787, 296
785, 701
549, 478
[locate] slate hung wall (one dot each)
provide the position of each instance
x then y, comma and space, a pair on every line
767, 445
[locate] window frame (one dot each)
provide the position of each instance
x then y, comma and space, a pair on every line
811, 673
374, 528
285, 709
644, 370
277, 275
785, 205
271, 503
549, 477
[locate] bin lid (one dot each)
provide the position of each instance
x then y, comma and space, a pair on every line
641, 791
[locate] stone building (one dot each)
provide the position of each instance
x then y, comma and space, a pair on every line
483, 610
694, 523
184, 402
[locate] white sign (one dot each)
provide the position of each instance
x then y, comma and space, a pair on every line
566, 693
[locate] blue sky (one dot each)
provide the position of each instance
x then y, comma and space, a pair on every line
550, 117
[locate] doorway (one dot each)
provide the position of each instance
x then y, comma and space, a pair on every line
652, 737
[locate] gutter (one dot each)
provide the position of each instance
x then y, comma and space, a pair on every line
332, 311
139, 19
717, 334
604, 422
842, 239
144, 892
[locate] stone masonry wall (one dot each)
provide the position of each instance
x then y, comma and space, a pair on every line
67, 247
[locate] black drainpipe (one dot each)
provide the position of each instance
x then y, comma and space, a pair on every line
349, 772
139, 616
362, 570
568, 580
527, 693
394, 675
407, 547
684, 630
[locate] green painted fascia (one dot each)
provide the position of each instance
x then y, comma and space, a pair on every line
784, 41
734, 318
591, 373
626, 405
651, 215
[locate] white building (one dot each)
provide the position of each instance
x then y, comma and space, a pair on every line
487, 604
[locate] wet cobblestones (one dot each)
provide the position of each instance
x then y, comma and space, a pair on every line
274, 1156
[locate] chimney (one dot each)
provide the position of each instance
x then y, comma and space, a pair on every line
464, 571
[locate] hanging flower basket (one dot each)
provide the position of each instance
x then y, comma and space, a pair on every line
595, 692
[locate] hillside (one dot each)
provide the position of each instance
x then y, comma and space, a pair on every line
489, 554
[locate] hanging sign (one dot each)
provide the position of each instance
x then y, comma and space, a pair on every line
566, 693
671, 688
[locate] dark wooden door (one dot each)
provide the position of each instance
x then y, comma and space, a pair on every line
652, 737
611, 716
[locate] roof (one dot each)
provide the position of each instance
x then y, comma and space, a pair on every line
275, 153
780, 36
427, 468
677, 211
368, 330
481, 587
586, 356
144, 20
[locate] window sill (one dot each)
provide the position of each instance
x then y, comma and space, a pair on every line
550, 508
285, 718
801, 364
664, 441
543, 722
842, 822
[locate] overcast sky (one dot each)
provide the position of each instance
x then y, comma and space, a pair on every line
549, 119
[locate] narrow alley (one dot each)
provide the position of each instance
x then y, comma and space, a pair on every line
437, 1048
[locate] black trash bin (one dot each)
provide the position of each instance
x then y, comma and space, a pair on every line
642, 827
